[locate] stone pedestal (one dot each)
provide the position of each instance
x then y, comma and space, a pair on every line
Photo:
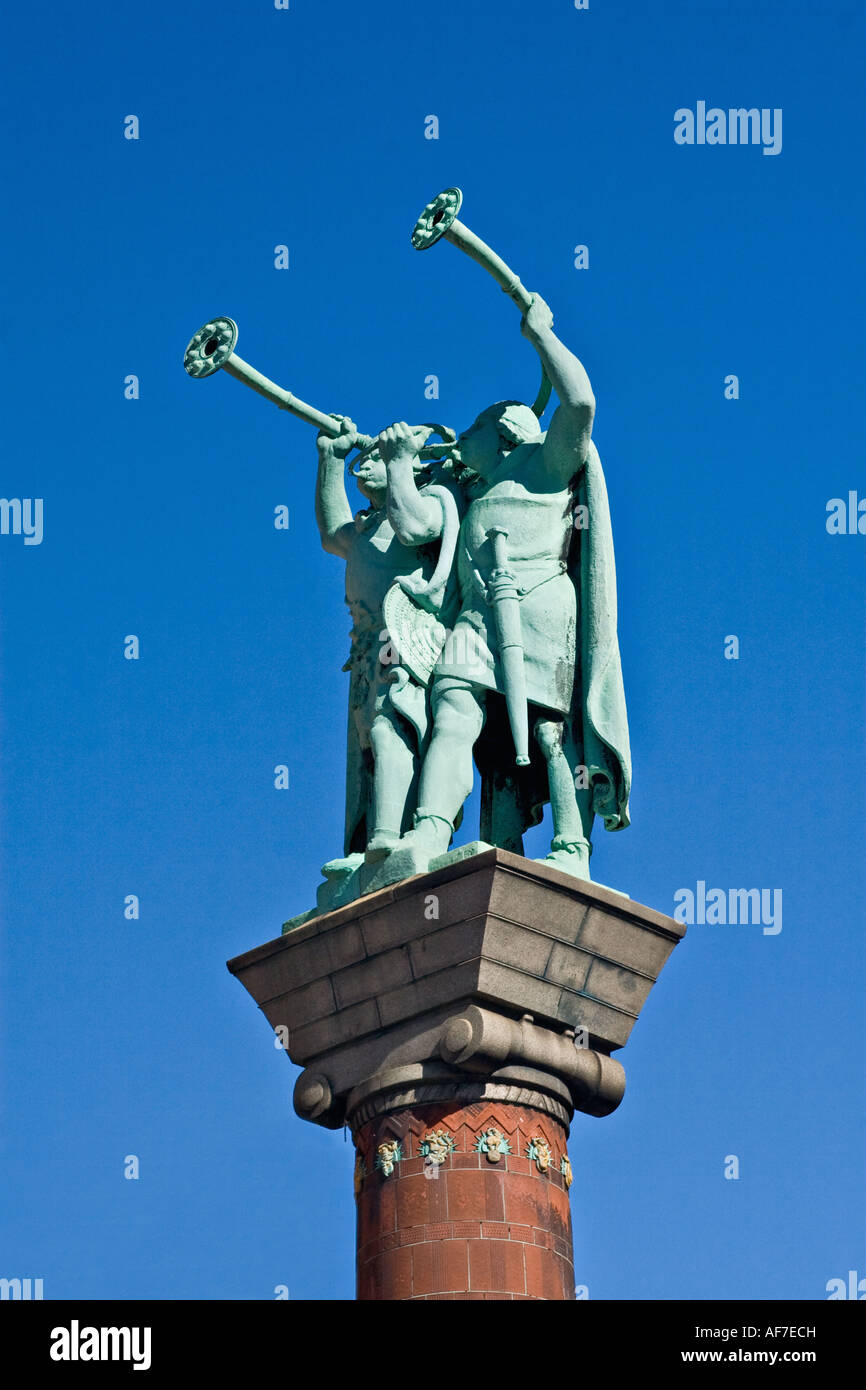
455, 1021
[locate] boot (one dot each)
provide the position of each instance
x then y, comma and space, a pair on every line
571, 855
431, 833
380, 845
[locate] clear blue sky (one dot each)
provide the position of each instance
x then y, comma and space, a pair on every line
261, 127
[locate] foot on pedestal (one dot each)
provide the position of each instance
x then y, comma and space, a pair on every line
380, 845
430, 833
341, 882
411, 855
570, 855
337, 869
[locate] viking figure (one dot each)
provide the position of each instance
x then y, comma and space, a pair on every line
398, 592
535, 569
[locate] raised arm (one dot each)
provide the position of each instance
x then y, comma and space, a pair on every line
416, 519
570, 430
333, 513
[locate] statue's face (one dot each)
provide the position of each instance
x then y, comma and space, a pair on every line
371, 476
481, 446
487, 443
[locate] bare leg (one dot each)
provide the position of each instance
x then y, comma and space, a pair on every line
571, 808
447, 773
395, 765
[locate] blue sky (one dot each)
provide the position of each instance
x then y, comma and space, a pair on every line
155, 777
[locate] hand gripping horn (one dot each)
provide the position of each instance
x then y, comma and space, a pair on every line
213, 347
439, 219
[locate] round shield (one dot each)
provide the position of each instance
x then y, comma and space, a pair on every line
210, 347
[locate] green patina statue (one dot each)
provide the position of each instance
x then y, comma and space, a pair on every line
481, 584
389, 708
537, 525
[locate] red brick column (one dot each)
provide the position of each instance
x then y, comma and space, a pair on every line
476, 1225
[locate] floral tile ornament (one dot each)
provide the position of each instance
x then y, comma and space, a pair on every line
388, 1155
538, 1152
436, 1146
493, 1143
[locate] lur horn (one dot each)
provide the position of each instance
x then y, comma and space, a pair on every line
213, 347
439, 219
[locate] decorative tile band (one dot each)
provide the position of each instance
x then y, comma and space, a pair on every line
437, 1146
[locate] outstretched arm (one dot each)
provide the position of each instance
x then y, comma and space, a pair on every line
333, 513
416, 519
568, 436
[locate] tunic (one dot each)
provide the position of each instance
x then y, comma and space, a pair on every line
539, 526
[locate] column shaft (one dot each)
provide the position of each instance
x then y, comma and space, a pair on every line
472, 1203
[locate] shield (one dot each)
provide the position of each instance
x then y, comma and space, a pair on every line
416, 636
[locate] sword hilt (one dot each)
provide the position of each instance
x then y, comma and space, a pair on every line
497, 536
